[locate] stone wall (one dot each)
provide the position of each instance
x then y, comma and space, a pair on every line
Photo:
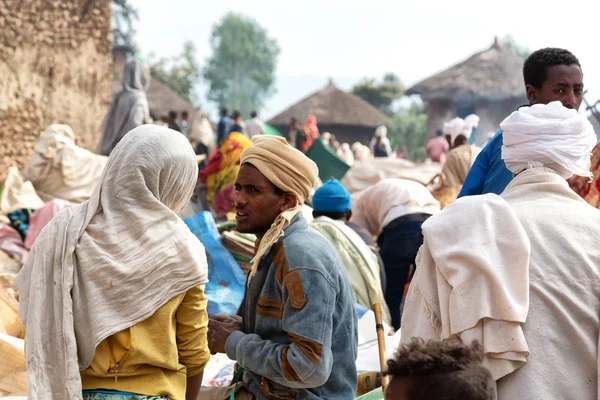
55, 67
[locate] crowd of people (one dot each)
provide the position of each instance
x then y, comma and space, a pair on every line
496, 295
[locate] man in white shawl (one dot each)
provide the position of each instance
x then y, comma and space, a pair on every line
519, 272
114, 262
129, 107
59, 169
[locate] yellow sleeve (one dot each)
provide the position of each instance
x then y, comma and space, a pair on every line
192, 328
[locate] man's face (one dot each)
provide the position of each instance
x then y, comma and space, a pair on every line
398, 389
257, 203
564, 83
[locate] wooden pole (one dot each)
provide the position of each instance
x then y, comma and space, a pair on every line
381, 345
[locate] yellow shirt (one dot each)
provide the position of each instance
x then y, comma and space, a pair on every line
154, 357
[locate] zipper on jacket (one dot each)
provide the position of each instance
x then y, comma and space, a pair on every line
116, 372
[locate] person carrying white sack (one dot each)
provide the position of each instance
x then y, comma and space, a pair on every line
518, 272
462, 155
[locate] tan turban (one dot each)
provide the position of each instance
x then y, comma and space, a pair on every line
288, 169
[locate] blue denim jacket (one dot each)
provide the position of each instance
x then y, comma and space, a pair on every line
300, 324
489, 173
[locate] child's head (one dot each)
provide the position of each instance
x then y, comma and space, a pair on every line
446, 370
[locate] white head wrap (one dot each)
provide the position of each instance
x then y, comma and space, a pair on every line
456, 127
548, 135
473, 120
381, 131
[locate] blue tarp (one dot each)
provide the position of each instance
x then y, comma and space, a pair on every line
226, 287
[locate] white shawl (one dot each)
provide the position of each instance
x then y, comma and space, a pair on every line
472, 280
59, 169
111, 262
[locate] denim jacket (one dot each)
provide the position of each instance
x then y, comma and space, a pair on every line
299, 338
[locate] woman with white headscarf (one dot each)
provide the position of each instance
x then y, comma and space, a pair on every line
462, 156
519, 272
380, 144
129, 108
112, 296
59, 169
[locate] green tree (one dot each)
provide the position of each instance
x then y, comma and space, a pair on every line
408, 131
123, 17
511, 44
240, 73
180, 73
380, 95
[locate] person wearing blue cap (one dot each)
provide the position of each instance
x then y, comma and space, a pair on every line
332, 206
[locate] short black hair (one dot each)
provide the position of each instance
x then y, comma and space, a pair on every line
253, 114
535, 68
224, 111
443, 369
333, 215
184, 114
236, 114
173, 114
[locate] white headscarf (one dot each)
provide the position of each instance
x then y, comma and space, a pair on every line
456, 127
111, 262
548, 135
473, 120
381, 131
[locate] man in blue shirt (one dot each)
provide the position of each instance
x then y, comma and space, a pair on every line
224, 126
550, 74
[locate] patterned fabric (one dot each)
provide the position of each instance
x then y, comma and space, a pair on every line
586, 188
19, 219
222, 169
110, 395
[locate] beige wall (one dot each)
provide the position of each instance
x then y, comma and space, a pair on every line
55, 67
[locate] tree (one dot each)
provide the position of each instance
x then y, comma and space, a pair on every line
123, 17
380, 95
408, 130
240, 72
180, 73
511, 44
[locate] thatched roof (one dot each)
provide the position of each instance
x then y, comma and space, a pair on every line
161, 99
493, 74
333, 106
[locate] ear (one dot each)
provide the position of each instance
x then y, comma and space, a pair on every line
532, 94
288, 201
349, 215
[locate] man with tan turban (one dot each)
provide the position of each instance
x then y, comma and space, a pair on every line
297, 337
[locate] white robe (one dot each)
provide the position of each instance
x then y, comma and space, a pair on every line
563, 317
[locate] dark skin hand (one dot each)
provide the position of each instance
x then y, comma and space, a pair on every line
194, 383
220, 326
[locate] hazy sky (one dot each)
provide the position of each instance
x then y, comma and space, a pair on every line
350, 39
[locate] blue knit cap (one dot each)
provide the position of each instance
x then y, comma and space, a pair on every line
332, 197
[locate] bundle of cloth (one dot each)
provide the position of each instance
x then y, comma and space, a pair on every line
222, 169
59, 169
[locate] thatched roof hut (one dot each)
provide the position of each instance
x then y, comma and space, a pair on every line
343, 114
489, 84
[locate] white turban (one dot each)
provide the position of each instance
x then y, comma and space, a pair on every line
548, 135
456, 127
472, 120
